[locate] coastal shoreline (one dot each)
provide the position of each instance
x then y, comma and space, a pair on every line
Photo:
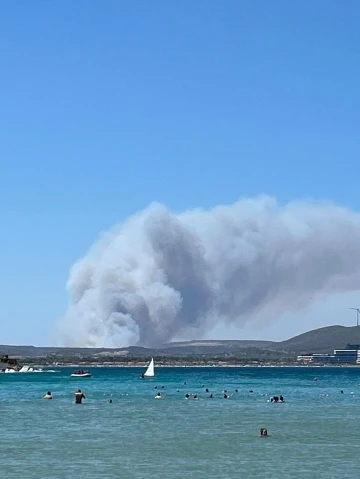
238, 366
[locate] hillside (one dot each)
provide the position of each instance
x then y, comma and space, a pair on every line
323, 340
215, 347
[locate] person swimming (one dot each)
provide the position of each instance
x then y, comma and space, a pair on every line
277, 399
79, 396
158, 396
263, 431
48, 395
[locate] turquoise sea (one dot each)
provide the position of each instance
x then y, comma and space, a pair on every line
314, 434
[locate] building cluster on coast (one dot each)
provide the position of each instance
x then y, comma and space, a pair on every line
350, 355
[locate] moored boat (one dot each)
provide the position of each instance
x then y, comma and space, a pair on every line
81, 374
23, 369
29, 369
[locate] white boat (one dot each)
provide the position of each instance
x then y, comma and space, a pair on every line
81, 374
29, 369
150, 372
23, 369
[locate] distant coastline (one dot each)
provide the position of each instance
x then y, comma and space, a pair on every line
183, 366
293, 352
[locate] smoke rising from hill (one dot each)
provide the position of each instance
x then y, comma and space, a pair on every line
160, 275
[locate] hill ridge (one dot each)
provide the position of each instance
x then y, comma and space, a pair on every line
320, 340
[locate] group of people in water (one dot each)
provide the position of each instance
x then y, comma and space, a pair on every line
79, 396
225, 394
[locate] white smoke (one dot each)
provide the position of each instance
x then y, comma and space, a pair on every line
160, 275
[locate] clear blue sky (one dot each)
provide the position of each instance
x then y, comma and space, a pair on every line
109, 105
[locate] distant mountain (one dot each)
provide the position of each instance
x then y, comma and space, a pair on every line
323, 340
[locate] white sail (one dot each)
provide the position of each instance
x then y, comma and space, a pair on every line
149, 373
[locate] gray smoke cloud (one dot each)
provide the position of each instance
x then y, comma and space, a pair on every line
160, 275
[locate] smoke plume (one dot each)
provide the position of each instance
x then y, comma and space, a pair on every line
160, 275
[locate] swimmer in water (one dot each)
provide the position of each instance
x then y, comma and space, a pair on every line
79, 396
48, 395
158, 396
263, 431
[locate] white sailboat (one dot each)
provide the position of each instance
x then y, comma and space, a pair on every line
150, 372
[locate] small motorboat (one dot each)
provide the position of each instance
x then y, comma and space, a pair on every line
81, 374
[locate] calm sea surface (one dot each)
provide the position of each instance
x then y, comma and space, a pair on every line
315, 434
